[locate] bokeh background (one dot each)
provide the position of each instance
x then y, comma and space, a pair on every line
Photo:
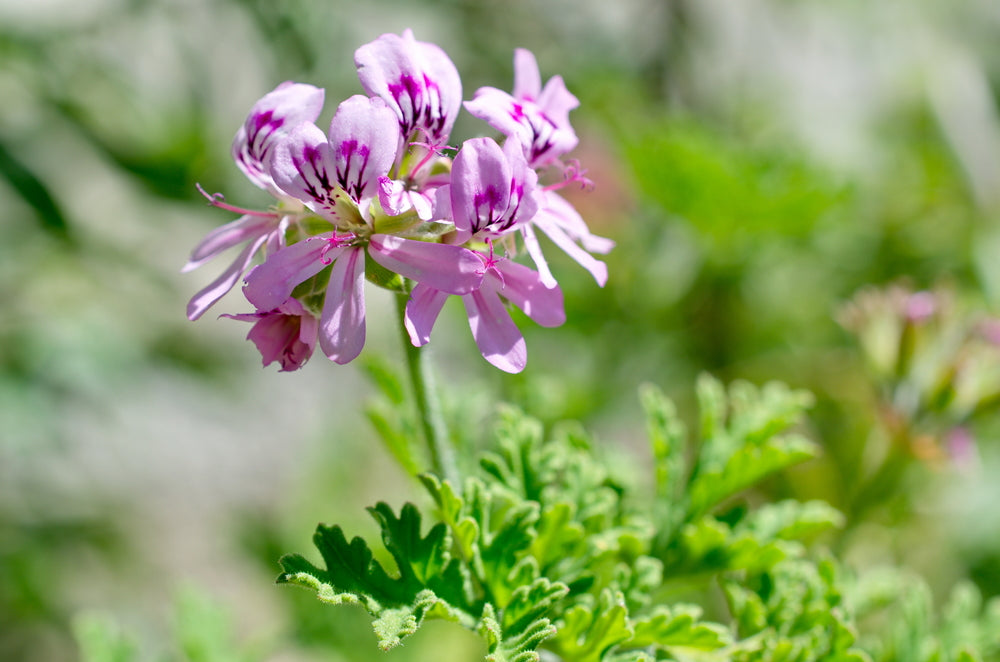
757, 162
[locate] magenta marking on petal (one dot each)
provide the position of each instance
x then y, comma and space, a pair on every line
352, 178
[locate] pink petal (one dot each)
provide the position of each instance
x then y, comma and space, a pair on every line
492, 188
342, 326
535, 252
303, 166
364, 138
422, 311
527, 79
229, 235
566, 217
282, 109
501, 111
597, 269
525, 289
416, 79
444, 267
218, 288
556, 102
497, 337
271, 283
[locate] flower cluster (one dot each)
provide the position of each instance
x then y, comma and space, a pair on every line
378, 197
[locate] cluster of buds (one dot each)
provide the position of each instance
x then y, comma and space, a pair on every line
937, 369
379, 197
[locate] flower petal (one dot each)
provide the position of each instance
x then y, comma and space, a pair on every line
342, 325
282, 109
422, 311
218, 288
492, 188
527, 78
535, 251
597, 269
526, 290
271, 283
303, 166
497, 337
444, 267
228, 235
416, 79
364, 139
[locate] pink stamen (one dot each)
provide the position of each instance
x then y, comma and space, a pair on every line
218, 200
331, 243
573, 173
433, 149
491, 262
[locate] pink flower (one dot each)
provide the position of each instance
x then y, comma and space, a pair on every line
269, 120
286, 334
417, 80
492, 189
496, 335
537, 117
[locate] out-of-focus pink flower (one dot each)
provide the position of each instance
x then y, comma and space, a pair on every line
537, 117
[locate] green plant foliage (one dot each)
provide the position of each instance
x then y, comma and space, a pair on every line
546, 549
793, 613
744, 437
899, 609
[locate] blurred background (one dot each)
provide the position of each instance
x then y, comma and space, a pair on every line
758, 163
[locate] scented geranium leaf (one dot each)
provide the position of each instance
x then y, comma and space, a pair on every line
747, 416
559, 537
711, 545
464, 529
791, 520
398, 605
965, 629
513, 647
792, 611
588, 632
679, 626
501, 549
423, 561
712, 405
529, 603
667, 437
747, 465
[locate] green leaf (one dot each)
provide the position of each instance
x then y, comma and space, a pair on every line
520, 647
678, 626
398, 604
587, 632
791, 520
746, 466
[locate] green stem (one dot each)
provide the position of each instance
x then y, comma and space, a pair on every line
429, 414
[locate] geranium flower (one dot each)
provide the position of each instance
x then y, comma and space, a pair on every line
336, 176
287, 106
286, 334
537, 117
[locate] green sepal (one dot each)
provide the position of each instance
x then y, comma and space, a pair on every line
379, 275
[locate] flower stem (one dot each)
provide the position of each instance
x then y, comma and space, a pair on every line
429, 415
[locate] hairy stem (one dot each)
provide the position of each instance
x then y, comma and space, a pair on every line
429, 414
